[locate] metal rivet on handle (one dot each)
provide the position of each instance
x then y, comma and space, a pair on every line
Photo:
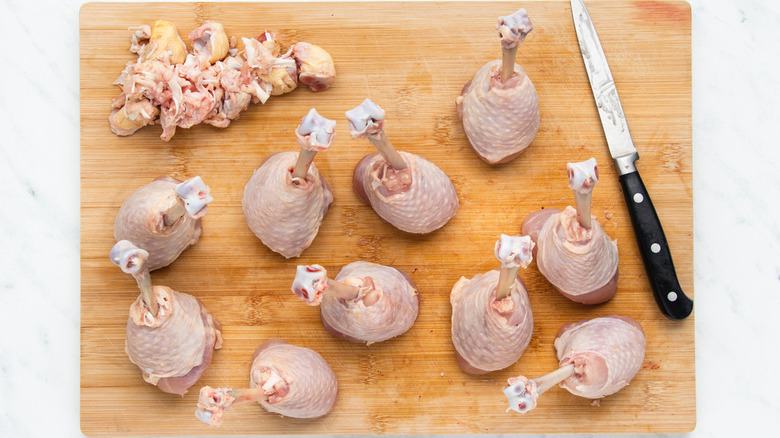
656, 248
672, 296
638, 198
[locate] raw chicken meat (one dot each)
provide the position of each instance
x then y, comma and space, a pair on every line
164, 43
280, 72
171, 336
492, 321
209, 43
214, 83
129, 115
598, 357
286, 199
404, 189
163, 218
573, 251
292, 381
315, 66
366, 302
499, 107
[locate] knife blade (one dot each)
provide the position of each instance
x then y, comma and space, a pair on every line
653, 246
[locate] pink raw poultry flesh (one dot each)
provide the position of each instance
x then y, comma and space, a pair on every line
404, 189
492, 320
315, 66
171, 336
598, 357
286, 199
289, 380
209, 43
214, 83
573, 252
163, 218
366, 302
499, 107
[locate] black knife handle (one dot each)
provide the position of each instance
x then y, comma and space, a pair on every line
655, 251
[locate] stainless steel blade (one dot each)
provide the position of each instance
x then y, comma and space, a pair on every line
621, 147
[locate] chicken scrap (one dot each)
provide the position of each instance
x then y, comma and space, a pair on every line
575, 254
499, 107
289, 380
286, 198
365, 303
492, 321
163, 218
214, 83
404, 189
171, 336
597, 358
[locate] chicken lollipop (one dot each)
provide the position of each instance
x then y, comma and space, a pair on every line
492, 321
366, 302
171, 336
499, 107
286, 198
598, 357
574, 252
163, 218
404, 189
293, 381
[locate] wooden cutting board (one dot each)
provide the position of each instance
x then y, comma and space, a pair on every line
412, 59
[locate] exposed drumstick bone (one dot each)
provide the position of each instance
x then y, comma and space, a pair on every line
213, 401
512, 29
314, 134
194, 198
522, 392
367, 121
513, 252
311, 282
132, 260
583, 176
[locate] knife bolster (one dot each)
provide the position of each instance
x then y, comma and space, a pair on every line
625, 164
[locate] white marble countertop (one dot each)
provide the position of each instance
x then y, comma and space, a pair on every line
736, 233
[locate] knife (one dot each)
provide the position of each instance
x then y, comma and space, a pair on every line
647, 227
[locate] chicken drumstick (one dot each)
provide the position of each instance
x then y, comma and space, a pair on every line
574, 252
499, 107
171, 336
404, 189
163, 217
286, 379
286, 199
366, 302
492, 321
598, 357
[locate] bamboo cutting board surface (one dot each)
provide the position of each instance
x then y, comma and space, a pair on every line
412, 59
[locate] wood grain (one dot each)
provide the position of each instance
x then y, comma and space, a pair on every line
412, 59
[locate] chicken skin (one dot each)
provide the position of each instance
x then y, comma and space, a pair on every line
492, 320
499, 107
286, 199
288, 380
404, 189
171, 336
598, 357
365, 303
163, 217
213, 84
575, 254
